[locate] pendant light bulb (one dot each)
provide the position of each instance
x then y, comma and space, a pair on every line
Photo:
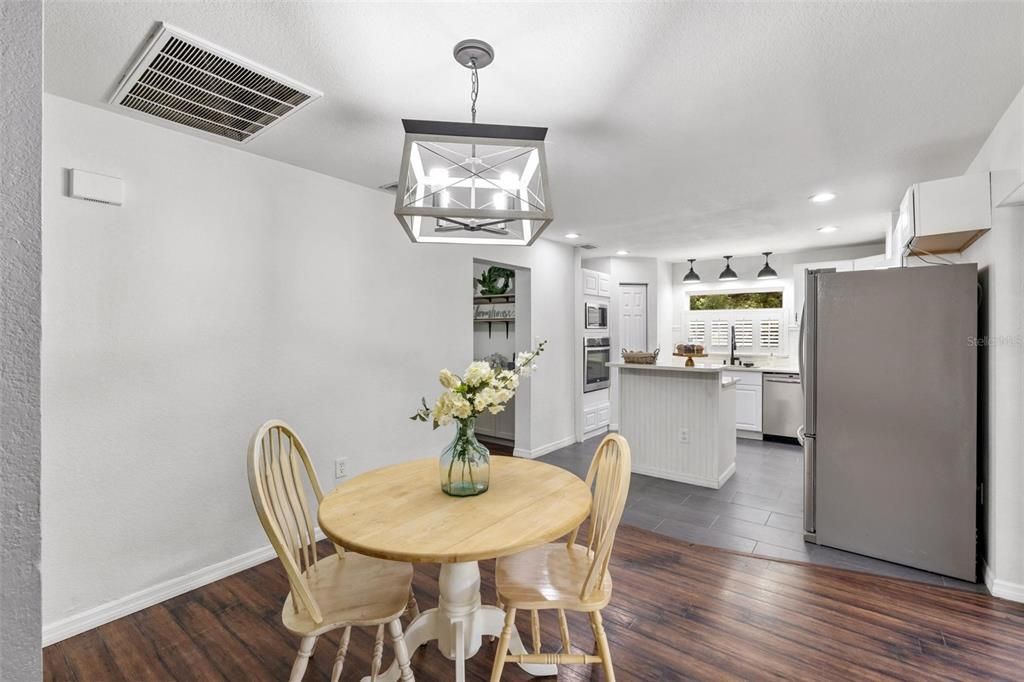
767, 272
728, 273
691, 276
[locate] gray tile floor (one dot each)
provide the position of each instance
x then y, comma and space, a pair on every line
759, 510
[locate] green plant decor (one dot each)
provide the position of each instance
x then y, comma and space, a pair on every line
495, 280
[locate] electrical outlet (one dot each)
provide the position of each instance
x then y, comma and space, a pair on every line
684, 436
341, 467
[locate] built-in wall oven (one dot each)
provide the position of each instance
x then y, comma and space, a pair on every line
595, 315
597, 353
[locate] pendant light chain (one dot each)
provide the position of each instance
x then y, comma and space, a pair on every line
475, 88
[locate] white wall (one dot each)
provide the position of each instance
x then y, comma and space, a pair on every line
227, 290
666, 307
999, 256
21, 61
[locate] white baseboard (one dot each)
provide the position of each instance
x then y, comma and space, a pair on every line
675, 476
1002, 588
543, 449
727, 474
118, 608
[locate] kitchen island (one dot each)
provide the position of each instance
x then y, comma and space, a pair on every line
680, 421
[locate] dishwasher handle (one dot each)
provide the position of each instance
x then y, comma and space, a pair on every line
783, 379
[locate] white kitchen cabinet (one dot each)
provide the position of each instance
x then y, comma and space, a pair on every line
904, 230
892, 252
596, 417
596, 283
748, 400
945, 216
800, 271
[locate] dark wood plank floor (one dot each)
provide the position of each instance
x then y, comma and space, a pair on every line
679, 611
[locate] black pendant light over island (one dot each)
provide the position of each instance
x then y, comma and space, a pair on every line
728, 273
691, 276
767, 272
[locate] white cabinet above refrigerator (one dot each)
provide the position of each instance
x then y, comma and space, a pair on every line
944, 216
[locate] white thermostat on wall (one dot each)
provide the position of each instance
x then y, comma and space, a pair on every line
95, 187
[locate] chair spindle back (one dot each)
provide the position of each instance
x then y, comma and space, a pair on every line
280, 499
608, 477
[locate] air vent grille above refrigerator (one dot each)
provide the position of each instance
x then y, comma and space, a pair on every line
189, 82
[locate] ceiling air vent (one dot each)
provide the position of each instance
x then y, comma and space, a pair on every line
190, 82
588, 247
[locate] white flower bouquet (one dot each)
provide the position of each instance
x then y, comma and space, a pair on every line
480, 389
465, 463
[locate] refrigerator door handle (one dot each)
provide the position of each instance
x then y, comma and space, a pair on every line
800, 351
810, 458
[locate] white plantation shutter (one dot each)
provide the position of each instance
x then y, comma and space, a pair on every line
769, 333
744, 333
698, 330
720, 333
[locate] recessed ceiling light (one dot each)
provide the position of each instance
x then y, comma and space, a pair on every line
572, 235
622, 252
827, 228
822, 197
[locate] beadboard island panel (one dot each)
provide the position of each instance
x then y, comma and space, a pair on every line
680, 422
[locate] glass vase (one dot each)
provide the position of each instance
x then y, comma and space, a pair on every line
465, 463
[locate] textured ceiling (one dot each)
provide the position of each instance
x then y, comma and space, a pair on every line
676, 129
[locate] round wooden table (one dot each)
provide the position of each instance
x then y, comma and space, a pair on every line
400, 513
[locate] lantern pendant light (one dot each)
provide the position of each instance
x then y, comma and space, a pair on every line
767, 272
473, 183
728, 273
691, 276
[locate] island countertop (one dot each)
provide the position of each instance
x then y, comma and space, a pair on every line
673, 367
678, 366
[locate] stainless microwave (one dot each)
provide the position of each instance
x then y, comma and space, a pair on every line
595, 316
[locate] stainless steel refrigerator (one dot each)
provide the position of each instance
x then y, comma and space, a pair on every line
889, 369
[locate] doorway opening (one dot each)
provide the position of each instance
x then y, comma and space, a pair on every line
501, 328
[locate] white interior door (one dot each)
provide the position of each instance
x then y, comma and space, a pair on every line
633, 316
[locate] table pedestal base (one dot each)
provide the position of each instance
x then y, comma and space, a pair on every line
459, 624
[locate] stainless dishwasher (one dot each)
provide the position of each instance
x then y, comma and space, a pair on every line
782, 408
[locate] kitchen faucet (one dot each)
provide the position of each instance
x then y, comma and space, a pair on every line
733, 360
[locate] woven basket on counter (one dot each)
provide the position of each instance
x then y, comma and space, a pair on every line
636, 357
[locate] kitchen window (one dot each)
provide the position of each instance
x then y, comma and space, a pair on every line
770, 333
748, 300
697, 332
758, 317
720, 334
744, 334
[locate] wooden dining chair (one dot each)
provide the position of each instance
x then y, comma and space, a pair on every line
340, 591
569, 577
